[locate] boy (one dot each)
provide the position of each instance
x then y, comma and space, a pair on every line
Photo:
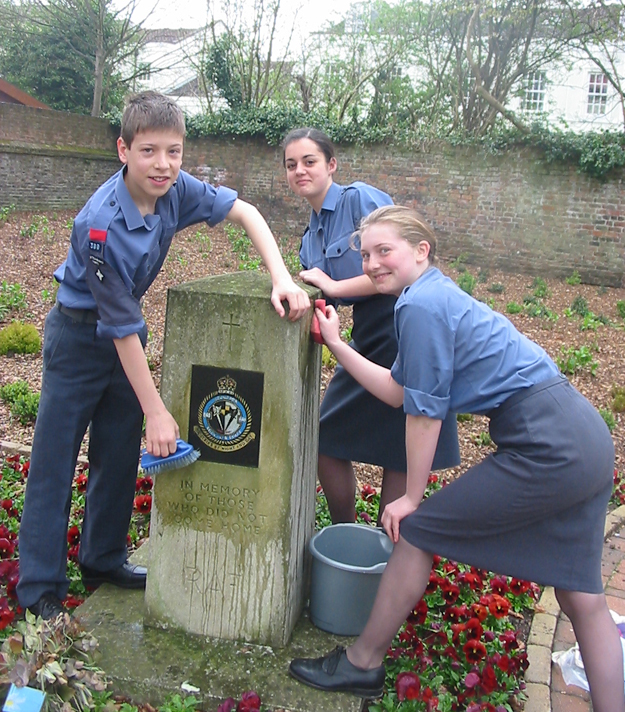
95, 373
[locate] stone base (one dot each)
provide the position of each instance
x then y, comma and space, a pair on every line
148, 664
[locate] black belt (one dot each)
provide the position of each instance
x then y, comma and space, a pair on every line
84, 316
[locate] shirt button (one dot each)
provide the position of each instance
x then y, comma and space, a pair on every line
112, 203
324, 250
338, 250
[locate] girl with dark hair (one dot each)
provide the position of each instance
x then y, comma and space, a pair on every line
354, 425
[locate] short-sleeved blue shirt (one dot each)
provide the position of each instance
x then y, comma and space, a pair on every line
457, 354
116, 253
327, 241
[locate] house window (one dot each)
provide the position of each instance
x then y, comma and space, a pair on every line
597, 94
534, 92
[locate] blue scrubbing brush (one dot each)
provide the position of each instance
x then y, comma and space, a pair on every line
184, 455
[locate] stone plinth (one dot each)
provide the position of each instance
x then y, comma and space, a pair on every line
229, 534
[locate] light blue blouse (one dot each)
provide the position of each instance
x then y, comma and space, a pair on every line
327, 241
457, 354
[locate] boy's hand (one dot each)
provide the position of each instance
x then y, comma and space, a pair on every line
318, 278
161, 431
298, 300
329, 325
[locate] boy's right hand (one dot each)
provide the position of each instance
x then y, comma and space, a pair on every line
161, 432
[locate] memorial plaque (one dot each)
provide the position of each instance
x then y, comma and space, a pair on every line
225, 414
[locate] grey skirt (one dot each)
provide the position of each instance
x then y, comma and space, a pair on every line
534, 509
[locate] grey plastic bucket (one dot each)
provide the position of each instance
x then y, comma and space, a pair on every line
348, 562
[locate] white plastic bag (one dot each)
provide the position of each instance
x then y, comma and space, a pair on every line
570, 661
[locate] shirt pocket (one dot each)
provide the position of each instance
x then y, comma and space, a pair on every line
343, 260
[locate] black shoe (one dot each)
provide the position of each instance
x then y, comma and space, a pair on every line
335, 673
125, 576
47, 607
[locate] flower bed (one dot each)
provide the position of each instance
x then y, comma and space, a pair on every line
462, 647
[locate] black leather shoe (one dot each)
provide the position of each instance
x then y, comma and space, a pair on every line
47, 607
335, 673
125, 576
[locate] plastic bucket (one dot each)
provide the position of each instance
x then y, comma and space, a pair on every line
347, 563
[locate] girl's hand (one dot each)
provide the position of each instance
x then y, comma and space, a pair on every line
329, 326
394, 512
318, 278
298, 300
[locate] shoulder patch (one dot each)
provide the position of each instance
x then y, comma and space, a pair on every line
97, 238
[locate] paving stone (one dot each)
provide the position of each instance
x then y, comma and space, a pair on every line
565, 637
539, 670
537, 698
558, 684
542, 630
568, 703
616, 600
548, 601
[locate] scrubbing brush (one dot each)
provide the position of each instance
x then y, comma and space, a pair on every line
185, 455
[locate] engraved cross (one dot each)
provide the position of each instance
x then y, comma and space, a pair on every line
230, 324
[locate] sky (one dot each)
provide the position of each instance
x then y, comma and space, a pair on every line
192, 13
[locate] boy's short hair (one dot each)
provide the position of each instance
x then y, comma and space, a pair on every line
150, 110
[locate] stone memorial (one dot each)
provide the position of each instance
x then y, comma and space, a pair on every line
229, 534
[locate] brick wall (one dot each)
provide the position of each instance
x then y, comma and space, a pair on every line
509, 211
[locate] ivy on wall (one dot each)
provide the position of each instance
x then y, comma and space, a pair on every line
596, 153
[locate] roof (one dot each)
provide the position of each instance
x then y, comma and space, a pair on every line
167, 36
11, 94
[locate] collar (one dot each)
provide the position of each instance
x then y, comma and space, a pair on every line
130, 211
329, 203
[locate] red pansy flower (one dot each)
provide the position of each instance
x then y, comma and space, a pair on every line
81, 482
489, 679
367, 492
474, 629
143, 503
6, 504
450, 591
6, 548
454, 614
250, 702
499, 585
73, 535
509, 641
419, 614
474, 651
6, 614
73, 551
407, 686
227, 705
471, 680
503, 662
499, 606
433, 583
518, 587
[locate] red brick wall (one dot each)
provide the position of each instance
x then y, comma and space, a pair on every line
510, 211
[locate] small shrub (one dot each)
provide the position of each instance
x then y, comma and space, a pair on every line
620, 308
458, 263
241, 245
580, 306
19, 338
464, 417
483, 439
5, 211
514, 308
466, 282
23, 402
591, 322
12, 298
609, 418
482, 275
38, 222
541, 290
618, 399
496, 288
574, 360
25, 408
12, 391
574, 279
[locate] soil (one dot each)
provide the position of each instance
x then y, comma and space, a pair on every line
29, 255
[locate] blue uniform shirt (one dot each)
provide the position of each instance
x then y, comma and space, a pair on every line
116, 253
327, 241
457, 354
